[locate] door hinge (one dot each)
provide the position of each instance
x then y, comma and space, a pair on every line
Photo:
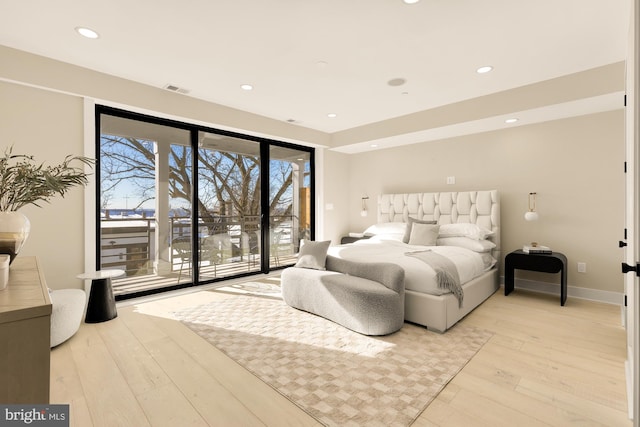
625, 300
625, 100
625, 167
626, 268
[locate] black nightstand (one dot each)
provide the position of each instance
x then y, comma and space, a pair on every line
350, 239
554, 262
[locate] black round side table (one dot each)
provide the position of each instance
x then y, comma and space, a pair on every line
102, 305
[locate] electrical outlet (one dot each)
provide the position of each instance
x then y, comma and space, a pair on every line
451, 180
582, 267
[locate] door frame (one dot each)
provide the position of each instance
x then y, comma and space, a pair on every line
632, 214
635, 398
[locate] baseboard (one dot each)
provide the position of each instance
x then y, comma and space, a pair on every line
608, 297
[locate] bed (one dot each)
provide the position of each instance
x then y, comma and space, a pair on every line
467, 234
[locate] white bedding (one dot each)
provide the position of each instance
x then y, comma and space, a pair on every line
419, 276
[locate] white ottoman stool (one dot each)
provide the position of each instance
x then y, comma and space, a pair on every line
66, 313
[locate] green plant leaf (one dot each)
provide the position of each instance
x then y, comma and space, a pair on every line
24, 182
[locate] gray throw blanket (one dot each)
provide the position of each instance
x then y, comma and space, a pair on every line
446, 272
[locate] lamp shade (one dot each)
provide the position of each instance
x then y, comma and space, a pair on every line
531, 216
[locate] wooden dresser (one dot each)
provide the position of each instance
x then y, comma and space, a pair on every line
25, 329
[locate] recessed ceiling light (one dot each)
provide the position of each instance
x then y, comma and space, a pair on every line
332, 115
513, 120
484, 69
87, 32
246, 87
411, 1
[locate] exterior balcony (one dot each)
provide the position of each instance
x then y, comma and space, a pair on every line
228, 247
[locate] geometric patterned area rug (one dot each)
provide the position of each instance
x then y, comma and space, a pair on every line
337, 376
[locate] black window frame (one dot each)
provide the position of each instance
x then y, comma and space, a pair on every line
194, 129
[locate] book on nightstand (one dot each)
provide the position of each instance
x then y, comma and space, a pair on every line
536, 249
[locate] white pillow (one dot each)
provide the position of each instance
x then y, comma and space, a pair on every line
386, 228
466, 242
410, 222
424, 234
313, 254
464, 229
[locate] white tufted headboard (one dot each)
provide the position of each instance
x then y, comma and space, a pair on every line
477, 207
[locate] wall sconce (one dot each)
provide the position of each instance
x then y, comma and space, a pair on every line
531, 214
364, 211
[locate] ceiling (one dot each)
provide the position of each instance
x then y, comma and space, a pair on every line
308, 58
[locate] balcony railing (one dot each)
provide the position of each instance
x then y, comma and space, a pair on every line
129, 243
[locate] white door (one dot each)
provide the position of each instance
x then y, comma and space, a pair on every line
632, 215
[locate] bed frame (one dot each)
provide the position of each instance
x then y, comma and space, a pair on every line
439, 313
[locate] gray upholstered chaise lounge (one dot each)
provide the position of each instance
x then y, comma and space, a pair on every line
365, 297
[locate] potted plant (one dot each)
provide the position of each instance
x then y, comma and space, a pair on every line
24, 182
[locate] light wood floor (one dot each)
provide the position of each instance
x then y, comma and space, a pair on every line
546, 365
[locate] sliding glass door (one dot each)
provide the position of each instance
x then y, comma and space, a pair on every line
181, 205
144, 202
228, 205
289, 203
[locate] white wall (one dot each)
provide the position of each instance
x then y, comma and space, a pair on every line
575, 165
48, 126
38, 71
333, 196
41, 114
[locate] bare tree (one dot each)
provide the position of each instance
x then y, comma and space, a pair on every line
229, 183
125, 159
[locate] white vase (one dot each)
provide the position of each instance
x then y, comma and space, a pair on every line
14, 230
